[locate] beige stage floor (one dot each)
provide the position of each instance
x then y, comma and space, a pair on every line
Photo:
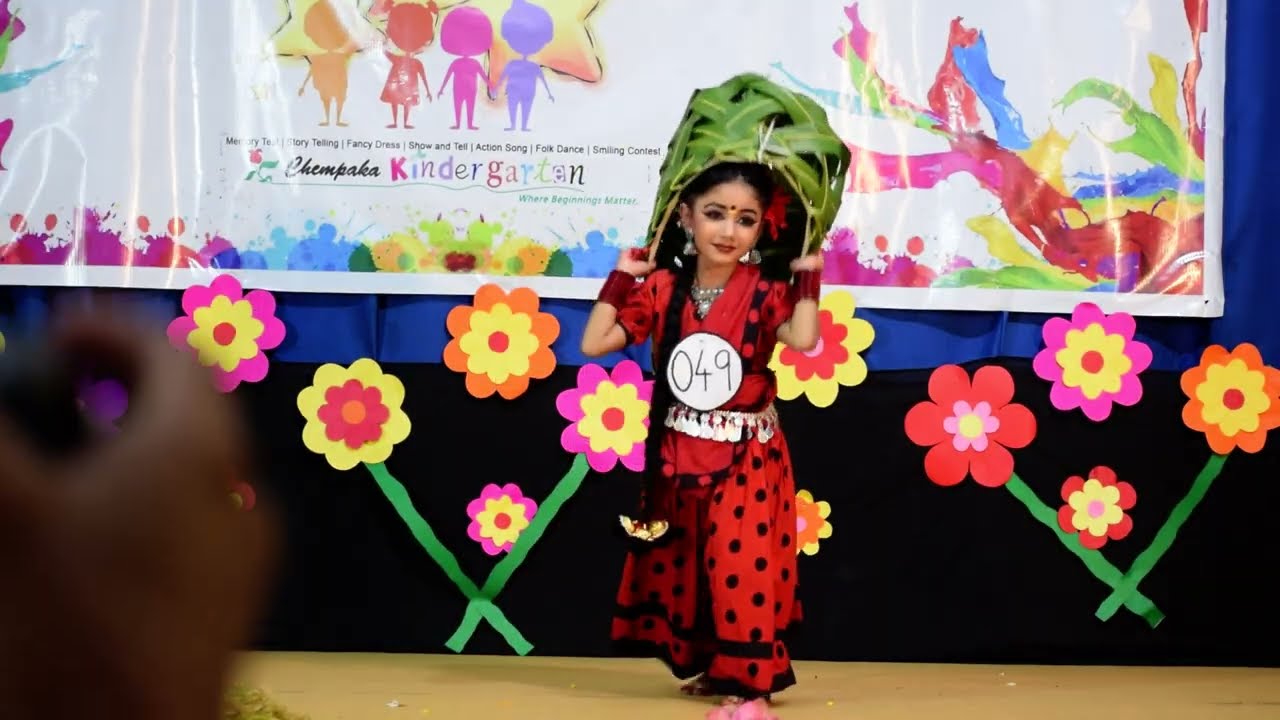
446, 687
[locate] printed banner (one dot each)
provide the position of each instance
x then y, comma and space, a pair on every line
1007, 156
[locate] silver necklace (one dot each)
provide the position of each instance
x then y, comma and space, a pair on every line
702, 299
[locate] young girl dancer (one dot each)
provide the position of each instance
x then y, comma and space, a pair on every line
711, 587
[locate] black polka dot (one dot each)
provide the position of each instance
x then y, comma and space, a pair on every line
762, 529
655, 596
648, 623
712, 530
758, 599
677, 647
757, 463
678, 561
739, 511
635, 586
761, 564
775, 454
719, 496
742, 480
677, 620
761, 495
731, 582
756, 634
786, 540
679, 504
677, 591
711, 563
753, 669
735, 545
659, 568
777, 608
778, 650
786, 506
786, 574
730, 616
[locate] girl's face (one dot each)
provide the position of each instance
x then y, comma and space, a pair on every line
725, 221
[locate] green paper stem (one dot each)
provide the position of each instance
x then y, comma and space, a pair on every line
395, 491
501, 573
1146, 561
1101, 568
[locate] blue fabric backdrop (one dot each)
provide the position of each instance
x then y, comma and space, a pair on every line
342, 328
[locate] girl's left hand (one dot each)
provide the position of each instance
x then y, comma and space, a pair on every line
808, 262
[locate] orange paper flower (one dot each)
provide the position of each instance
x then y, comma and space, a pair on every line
501, 341
1234, 399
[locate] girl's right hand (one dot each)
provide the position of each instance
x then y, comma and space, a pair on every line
635, 262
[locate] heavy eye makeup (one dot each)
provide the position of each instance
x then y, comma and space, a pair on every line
716, 212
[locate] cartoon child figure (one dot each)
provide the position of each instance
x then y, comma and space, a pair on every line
328, 72
465, 32
411, 28
527, 28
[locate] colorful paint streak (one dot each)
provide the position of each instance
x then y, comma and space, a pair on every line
1141, 232
456, 243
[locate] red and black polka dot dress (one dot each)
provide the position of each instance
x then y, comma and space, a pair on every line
717, 596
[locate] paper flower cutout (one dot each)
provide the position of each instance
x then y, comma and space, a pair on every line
353, 414
968, 428
501, 341
811, 522
104, 402
834, 361
1092, 361
1095, 509
609, 415
228, 330
498, 517
243, 496
1234, 398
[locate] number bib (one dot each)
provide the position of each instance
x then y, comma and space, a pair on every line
704, 371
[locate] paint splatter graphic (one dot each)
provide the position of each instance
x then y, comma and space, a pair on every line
1142, 232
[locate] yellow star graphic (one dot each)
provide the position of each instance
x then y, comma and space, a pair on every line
572, 50
343, 25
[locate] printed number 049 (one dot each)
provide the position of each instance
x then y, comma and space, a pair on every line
704, 371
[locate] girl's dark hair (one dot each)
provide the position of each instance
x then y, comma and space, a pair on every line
761, 179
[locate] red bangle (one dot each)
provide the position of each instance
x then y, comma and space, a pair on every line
808, 285
616, 288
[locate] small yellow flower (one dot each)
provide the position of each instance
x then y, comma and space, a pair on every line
819, 373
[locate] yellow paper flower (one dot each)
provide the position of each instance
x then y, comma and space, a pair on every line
226, 333
353, 414
1094, 361
811, 522
834, 361
501, 341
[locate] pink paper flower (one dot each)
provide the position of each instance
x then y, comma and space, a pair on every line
609, 416
498, 517
969, 425
228, 330
1092, 361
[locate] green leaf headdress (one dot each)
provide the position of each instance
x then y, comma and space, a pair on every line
751, 119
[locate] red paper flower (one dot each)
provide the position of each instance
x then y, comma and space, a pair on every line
353, 414
1095, 508
968, 427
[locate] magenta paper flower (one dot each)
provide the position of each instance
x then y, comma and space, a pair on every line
1092, 361
228, 330
498, 517
609, 416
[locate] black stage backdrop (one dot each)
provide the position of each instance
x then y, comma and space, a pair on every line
913, 571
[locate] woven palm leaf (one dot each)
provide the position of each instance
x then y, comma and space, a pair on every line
751, 119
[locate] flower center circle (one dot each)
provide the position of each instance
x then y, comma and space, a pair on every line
502, 521
353, 412
1092, 361
613, 419
1096, 508
224, 333
499, 342
1233, 399
817, 349
970, 426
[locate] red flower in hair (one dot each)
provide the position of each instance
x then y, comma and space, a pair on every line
775, 216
